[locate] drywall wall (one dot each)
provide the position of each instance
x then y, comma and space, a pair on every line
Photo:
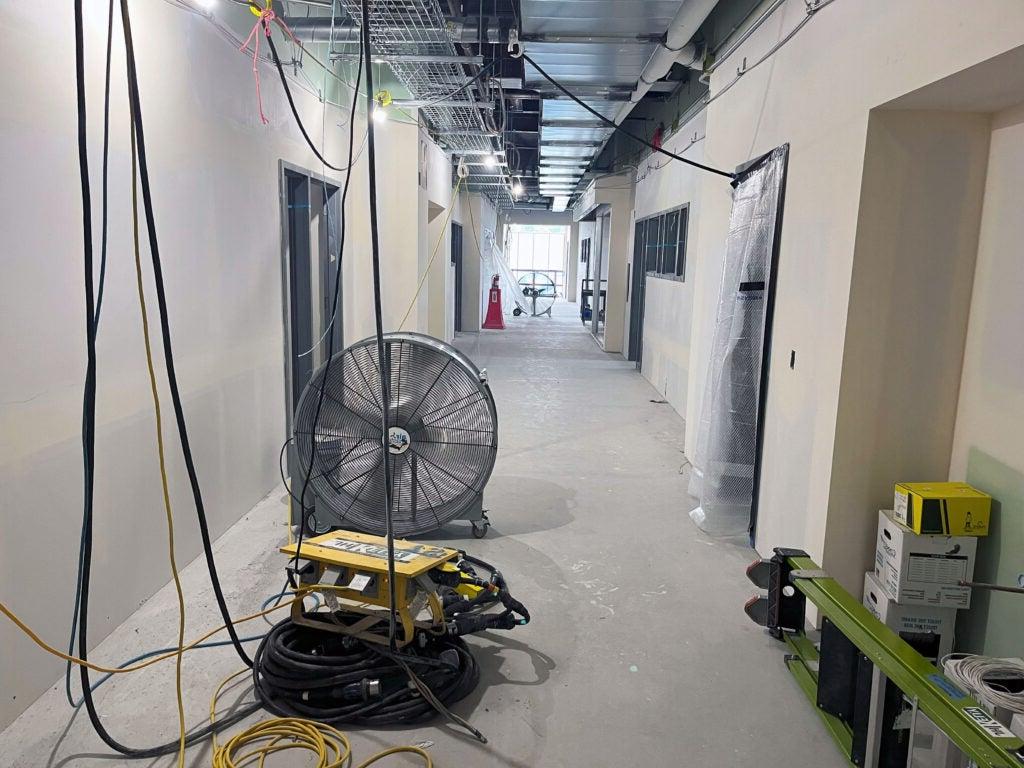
436, 191
987, 450
615, 194
816, 93
478, 218
663, 184
402, 239
910, 293
214, 170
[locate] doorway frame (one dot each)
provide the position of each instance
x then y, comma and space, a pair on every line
287, 171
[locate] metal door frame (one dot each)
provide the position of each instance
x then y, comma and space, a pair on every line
288, 172
457, 262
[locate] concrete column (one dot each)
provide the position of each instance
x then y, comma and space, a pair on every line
572, 263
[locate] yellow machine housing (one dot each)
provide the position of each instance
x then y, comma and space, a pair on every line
355, 568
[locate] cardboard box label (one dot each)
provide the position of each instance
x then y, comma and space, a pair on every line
937, 569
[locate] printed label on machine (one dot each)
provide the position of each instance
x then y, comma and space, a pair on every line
988, 723
404, 553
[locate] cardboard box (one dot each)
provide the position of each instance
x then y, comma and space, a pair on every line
951, 509
928, 629
923, 570
907, 620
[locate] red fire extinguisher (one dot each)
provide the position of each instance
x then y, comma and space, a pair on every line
494, 320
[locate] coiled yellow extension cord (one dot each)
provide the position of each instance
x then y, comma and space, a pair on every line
264, 738
256, 743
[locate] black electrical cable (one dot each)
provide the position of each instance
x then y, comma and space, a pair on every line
89, 415
483, 71
617, 127
321, 396
295, 112
165, 332
303, 671
96, 323
385, 373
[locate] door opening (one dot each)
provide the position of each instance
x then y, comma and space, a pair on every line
457, 264
310, 242
637, 292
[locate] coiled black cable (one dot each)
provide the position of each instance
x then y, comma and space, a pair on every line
302, 671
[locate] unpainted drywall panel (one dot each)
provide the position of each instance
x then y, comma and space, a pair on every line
917, 239
215, 179
987, 448
816, 93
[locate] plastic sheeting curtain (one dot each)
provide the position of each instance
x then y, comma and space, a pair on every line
726, 454
492, 262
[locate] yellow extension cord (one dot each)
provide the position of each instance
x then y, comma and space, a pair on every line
263, 738
160, 452
433, 255
256, 743
330, 746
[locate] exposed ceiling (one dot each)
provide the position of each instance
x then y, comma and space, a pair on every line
525, 142
597, 49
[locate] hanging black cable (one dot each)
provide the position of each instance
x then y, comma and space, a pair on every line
89, 394
295, 112
321, 395
617, 127
165, 332
385, 372
96, 323
89, 415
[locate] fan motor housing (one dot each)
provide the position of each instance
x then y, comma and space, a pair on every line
442, 436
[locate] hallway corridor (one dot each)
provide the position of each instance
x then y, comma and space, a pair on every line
638, 655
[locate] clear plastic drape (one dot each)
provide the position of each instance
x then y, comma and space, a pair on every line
492, 262
726, 435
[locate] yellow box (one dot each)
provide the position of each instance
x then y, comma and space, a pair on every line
953, 509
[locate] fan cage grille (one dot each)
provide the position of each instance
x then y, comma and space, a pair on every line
437, 396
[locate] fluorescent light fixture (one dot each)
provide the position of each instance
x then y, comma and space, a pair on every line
490, 161
559, 204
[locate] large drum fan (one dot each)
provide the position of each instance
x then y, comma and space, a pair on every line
442, 441
539, 290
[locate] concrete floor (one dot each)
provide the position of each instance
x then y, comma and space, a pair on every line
639, 653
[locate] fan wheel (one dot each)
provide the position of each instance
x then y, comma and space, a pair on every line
442, 437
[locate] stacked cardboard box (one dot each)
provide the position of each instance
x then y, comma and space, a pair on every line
925, 549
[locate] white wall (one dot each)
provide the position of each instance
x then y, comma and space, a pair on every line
668, 304
910, 294
987, 449
214, 171
572, 264
436, 192
478, 217
616, 192
816, 93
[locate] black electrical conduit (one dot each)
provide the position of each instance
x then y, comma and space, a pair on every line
89, 408
385, 373
96, 323
617, 127
321, 395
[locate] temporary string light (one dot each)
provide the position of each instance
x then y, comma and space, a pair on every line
382, 100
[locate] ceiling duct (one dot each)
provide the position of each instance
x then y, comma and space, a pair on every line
676, 47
